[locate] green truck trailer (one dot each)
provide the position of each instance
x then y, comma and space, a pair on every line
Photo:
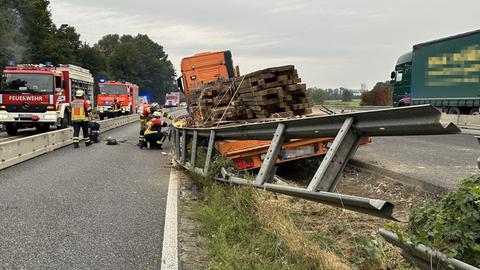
443, 72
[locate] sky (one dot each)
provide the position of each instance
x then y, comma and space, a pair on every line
332, 43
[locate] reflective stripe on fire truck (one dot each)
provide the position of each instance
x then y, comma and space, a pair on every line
50, 99
1, 98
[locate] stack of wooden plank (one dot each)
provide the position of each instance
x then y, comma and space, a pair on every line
272, 92
216, 102
275, 90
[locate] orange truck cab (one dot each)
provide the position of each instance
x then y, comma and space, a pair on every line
125, 93
204, 68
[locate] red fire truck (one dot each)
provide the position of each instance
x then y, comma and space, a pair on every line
39, 95
126, 94
172, 99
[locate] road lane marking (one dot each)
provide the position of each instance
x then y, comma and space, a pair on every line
170, 230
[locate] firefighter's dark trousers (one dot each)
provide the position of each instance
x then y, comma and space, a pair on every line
155, 140
76, 132
141, 137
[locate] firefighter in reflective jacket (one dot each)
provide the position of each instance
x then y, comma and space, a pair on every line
80, 117
145, 116
153, 131
117, 107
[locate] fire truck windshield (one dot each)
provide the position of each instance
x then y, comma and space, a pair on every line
27, 83
110, 89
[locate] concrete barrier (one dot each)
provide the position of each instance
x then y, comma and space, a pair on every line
20, 150
464, 121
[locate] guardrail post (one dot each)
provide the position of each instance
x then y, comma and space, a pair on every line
208, 158
193, 156
177, 143
184, 146
265, 174
343, 148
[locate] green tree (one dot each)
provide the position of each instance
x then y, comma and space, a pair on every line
33, 36
28, 35
318, 95
107, 44
4, 51
92, 59
347, 95
66, 45
38, 29
144, 62
380, 95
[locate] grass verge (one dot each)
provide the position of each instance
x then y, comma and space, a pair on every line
247, 228
353, 102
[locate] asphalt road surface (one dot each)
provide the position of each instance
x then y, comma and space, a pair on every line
441, 160
100, 207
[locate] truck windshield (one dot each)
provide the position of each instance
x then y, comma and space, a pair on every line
27, 83
109, 89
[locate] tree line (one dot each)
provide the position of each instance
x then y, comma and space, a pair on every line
319, 95
28, 35
380, 95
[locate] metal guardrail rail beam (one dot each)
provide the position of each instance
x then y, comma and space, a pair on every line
424, 257
378, 208
414, 120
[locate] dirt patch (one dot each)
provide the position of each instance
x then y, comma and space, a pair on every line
360, 182
351, 236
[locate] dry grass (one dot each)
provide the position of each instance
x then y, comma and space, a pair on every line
273, 216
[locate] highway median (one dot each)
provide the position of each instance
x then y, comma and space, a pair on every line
22, 149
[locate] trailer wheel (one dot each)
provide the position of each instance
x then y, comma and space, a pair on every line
11, 129
474, 111
454, 110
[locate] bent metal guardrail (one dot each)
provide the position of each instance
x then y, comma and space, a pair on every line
464, 121
20, 150
424, 257
348, 129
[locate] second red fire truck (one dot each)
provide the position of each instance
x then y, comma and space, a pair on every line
39, 95
124, 92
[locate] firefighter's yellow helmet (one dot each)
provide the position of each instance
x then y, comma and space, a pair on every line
157, 114
79, 93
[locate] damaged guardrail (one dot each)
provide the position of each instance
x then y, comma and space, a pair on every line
20, 150
424, 257
348, 129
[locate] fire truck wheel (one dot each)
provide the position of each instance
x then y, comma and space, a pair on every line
101, 117
11, 129
65, 122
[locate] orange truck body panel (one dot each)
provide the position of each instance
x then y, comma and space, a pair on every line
249, 154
